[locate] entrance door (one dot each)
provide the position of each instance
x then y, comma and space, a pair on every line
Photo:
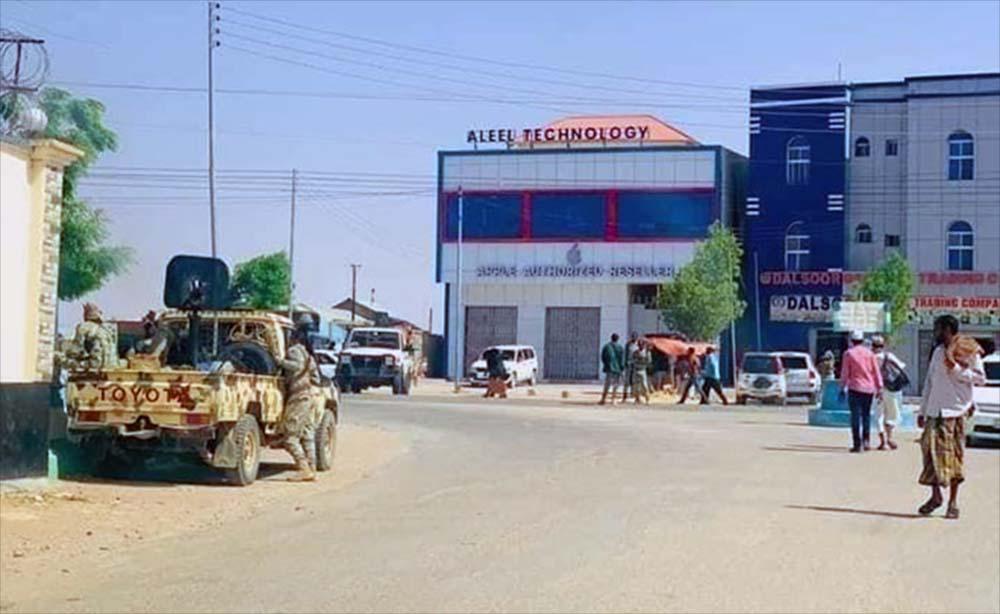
572, 342
486, 326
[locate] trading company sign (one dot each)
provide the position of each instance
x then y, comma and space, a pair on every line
803, 307
982, 310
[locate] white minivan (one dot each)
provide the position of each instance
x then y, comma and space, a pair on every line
520, 362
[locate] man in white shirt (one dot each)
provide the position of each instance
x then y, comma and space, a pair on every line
887, 406
947, 400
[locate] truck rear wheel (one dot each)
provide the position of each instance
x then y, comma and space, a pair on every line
246, 436
326, 441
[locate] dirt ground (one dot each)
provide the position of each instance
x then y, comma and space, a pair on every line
89, 518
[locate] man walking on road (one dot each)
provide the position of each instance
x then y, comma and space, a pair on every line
861, 379
947, 400
693, 370
710, 373
612, 363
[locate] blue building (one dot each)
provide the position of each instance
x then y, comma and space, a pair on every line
794, 215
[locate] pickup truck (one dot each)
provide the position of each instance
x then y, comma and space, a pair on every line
373, 357
223, 409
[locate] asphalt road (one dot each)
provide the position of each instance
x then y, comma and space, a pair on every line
502, 507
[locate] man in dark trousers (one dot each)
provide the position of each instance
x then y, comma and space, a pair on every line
693, 368
710, 373
612, 363
861, 381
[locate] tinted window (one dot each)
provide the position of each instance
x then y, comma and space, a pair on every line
485, 216
567, 215
507, 354
374, 339
323, 359
759, 364
794, 362
664, 214
992, 371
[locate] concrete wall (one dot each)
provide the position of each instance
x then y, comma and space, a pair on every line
30, 213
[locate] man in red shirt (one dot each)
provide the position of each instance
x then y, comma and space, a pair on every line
861, 380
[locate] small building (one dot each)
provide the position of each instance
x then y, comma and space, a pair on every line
568, 232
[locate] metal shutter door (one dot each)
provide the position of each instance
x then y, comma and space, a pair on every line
572, 342
486, 326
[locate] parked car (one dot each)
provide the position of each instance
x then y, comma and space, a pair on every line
801, 376
520, 362
762, 378
985, 423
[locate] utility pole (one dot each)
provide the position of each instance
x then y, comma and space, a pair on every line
291, 251
459, 360
213, 30
756, 291
354, 291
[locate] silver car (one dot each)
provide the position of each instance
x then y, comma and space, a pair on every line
801, 376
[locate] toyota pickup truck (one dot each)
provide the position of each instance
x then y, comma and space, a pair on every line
224, 408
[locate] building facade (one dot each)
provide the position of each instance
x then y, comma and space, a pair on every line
566, 241
921, 174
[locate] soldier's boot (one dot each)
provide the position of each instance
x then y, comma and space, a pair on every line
304, 472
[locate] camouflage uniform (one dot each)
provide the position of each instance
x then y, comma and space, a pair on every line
302, 397
93, 347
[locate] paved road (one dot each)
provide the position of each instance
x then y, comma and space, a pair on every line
518, 508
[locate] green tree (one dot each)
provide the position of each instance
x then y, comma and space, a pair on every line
893, 283
703, 299
85, 260
263, 282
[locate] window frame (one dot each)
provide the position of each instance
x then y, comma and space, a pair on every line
801, 252
891, 148
892, 240
863, 228
961, 164
797, 168
965, 252
862, 147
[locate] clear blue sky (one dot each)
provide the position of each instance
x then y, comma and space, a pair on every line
728, 46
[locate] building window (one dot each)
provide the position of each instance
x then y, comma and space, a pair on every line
485, 216
960, 246
891, 147
664, 214
796, 248
862, 148
863, 234
567, 215
892, 240
797, 161
961, 156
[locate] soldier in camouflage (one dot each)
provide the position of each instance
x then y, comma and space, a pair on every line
302, 396
93, 347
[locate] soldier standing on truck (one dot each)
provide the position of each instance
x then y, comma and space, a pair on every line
93, 346
301, 398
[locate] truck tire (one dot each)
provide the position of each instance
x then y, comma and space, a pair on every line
326, 441
397, 384
247, 357
246, 437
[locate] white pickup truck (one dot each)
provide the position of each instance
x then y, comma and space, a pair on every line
373, 357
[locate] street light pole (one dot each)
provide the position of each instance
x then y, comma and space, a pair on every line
459, 360
291, 251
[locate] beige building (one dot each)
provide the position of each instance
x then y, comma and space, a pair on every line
31, 176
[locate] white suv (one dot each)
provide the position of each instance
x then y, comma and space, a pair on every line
520, 362
761, 377
985, 423
801, 377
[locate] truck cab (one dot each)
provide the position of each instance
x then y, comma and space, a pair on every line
373, 357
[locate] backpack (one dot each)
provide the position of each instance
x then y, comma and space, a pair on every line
894, 378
